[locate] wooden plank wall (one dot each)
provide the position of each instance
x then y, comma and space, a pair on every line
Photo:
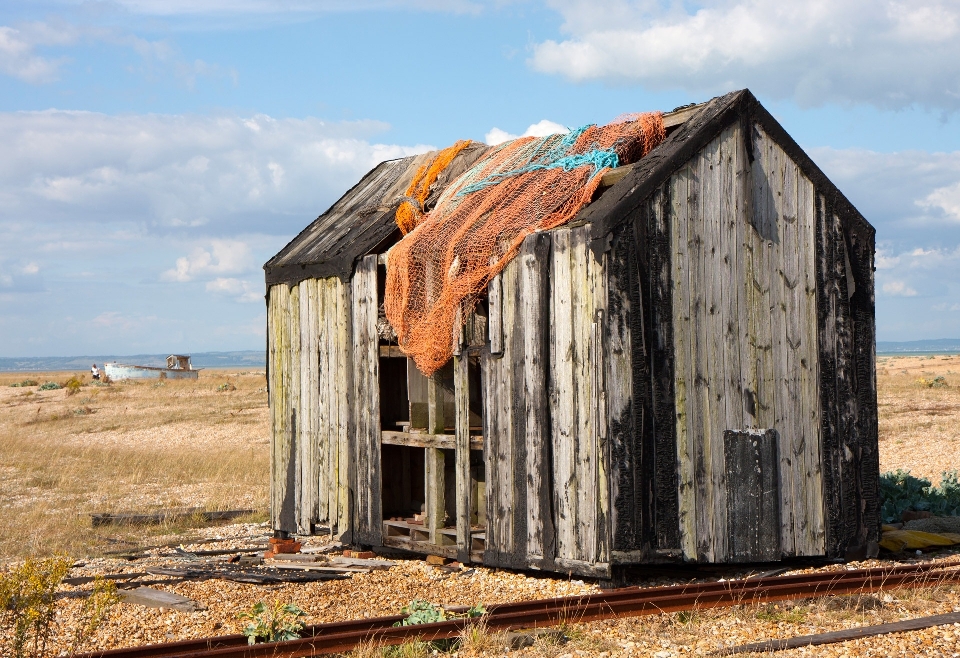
745, 341
282, 456
309, 343
516, 425
844, 273
578, 369
366, 403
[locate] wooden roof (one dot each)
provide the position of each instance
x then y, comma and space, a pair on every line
617, 205
363, 218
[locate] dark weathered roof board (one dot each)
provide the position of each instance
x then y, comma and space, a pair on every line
618, 203
359, 221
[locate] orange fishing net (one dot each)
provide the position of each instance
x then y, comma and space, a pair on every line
438, 269
411, 208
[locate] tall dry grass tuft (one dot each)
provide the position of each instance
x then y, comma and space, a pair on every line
125, 447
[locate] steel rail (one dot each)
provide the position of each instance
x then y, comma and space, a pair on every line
632, 601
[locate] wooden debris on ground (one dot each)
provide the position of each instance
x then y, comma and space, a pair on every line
845, 635
165, 516
156, 598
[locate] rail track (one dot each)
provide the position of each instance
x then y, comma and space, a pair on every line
340, 637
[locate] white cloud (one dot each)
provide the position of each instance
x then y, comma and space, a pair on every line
222, 257
240, 290
884, 261
946, 199
180, 7
542, 128
898, 192
225, 174
22, 53
889, 54
898, 289
118, 320
18, 51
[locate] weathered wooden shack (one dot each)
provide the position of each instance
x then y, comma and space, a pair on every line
683, 372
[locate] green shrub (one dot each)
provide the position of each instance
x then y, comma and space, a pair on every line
900, 492
50, 386
276, 624
23, 384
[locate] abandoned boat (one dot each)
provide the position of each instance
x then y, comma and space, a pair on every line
178, 367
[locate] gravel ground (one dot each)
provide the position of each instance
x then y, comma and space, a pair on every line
385, 592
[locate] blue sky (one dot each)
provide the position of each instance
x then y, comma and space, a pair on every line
156, 153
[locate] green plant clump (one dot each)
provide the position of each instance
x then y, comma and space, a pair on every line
422, 612
278, 623
23, 384
50, 386
900, 492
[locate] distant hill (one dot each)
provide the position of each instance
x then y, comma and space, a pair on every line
938, 346
241, 359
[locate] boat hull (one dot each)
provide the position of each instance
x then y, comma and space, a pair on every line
119, 372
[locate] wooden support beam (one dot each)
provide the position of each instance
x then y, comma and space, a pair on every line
434, 466
461, 382
424, 440
391, 352
495, 320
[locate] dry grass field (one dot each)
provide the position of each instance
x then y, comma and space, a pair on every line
146, 445
141, 446
128, 446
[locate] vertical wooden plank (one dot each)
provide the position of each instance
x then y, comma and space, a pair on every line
775, 375
533, 264
683, 384
274, 388
585, 455
793, 425
434, 464
292, 495
730, 271
503, 459
627, 394
461, 384
314, 401
699, 408
809, 359
495, 315
715, 365
305, 482
593, 440
366, 356
747, 302
333, 402
762, 311
562, 395
282, 475
731, 210
323, 406
343, 386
